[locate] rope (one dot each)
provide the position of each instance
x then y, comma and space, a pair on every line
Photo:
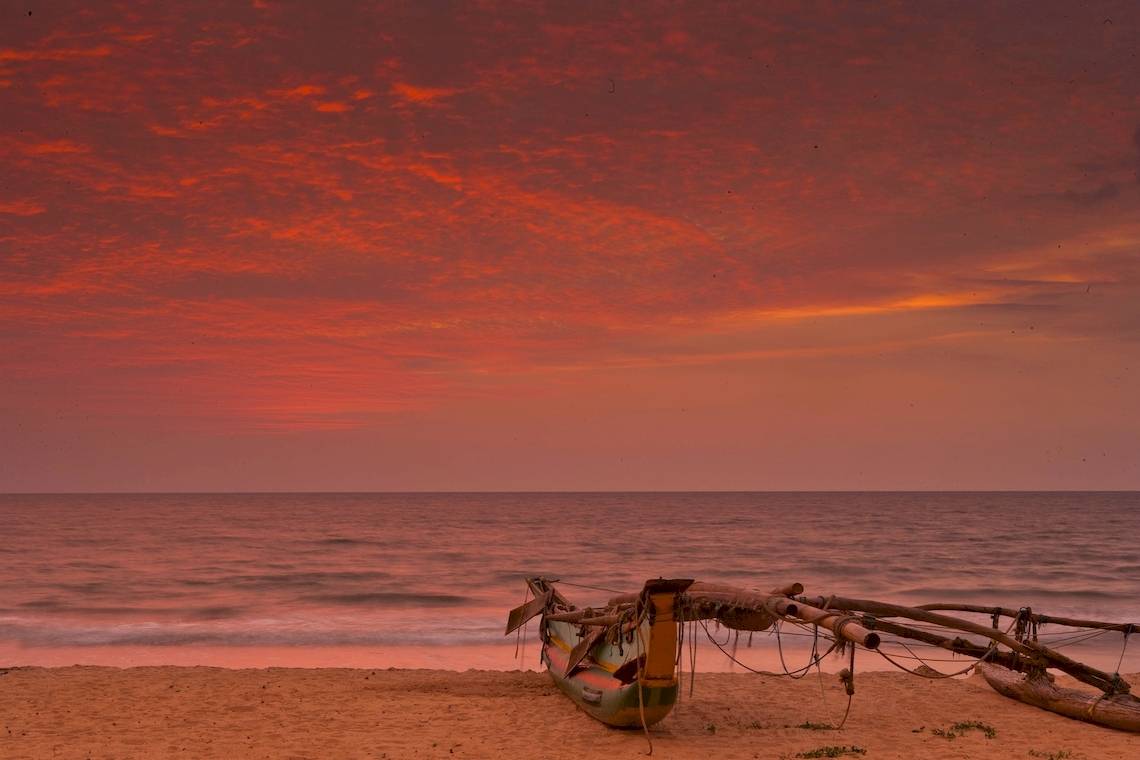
640, 695
592, 588
814, 657
780, 646
1123, 649
806, 668
922, 660
927, 664
692, 657
822, 690
848, 678
678, 662
842, 621
1078, 638
989, 653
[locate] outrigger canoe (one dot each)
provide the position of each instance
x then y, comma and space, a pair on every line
619, 664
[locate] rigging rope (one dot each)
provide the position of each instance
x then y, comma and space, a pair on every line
678, 662
692, 657
937, 675
1123, 649
816, 658
849, 686
641, 665
593, 588
779, 628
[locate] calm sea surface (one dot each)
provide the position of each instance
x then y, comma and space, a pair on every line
376, 580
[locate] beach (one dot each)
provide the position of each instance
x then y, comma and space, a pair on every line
371, 625
188, 712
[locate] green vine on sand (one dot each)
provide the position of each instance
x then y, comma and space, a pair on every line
961, 727
833, 751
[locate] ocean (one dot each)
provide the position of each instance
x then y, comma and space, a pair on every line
426, 580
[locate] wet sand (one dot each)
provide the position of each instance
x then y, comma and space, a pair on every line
148, 712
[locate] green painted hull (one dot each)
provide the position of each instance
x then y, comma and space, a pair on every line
595, 689
620, 668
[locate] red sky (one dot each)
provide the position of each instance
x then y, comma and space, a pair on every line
479, 246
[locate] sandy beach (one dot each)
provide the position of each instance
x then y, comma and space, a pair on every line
91, 712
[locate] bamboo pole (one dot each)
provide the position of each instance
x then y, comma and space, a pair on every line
836, 621
710, 601
789, 589
885, 609
1033, 616
725, 599
956, 645
1034, 650
751, 614
699, 588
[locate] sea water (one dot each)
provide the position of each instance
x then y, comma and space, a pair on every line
426, 580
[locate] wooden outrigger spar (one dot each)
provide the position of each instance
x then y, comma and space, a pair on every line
620, 663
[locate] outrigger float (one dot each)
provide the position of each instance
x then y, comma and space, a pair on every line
621, 663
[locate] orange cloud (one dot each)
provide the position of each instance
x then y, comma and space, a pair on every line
188, 223
55, 147
55, 54
21, 208
304, 91
414, 94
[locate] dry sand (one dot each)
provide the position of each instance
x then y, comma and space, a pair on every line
154, 712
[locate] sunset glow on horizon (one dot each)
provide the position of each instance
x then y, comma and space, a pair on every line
432, 246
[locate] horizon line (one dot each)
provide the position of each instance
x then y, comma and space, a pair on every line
400, 492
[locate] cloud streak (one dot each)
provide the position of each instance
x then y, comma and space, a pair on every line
273, 218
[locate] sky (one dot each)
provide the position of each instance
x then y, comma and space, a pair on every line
570, 246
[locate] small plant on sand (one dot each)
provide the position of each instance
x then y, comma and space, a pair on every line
711, 728
832, 751
1061, 754
962, 727
807, 725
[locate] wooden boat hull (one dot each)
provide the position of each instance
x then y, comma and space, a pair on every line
1120, 711
599, 686
620, 667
